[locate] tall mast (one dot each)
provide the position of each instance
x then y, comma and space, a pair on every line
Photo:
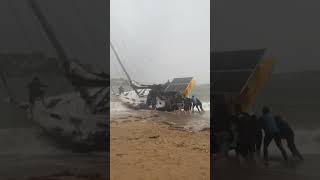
49, 32
124, 69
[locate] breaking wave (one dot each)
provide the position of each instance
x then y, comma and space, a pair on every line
206, 106
196, 122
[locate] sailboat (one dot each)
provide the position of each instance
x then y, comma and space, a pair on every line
167, 96
76, 120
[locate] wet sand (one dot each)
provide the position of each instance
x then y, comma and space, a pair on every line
231, 169
26, 154
144, 149
44, 167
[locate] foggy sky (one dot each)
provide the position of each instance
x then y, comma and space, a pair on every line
80, 25
160, 40
288, 29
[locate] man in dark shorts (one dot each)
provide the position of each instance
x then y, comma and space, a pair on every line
257, 133
36, 91
287, 133
221, 128
246, 137
187, 104
121, 90
272, 132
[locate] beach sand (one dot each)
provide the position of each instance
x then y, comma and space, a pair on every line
226, 169
142, 149
82, 167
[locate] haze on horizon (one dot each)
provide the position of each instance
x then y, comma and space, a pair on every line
161, 40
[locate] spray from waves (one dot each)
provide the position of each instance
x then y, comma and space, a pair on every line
118, 107
206, 106
195, 122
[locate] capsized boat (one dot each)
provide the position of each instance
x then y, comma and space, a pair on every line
76, 120
167, 96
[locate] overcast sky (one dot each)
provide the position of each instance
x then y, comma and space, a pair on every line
161, 39
80, 25
289, 29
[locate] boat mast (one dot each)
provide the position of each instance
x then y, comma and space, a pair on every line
124, 69
50, 34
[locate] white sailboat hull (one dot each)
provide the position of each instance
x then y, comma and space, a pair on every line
131, 99
71, 122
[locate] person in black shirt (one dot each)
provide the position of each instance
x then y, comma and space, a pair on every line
246, 138
271, 132
287, 133
221, 130
196, 103
36, 91
121, 90
257, 132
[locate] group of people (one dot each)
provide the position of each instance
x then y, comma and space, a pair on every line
175, 102
243, 133
188, 104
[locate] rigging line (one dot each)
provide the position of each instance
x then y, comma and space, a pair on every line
47, 29
114, 55
113, 70
51, 30
14, 12
118, 59
118, 77
116, 68
120, 73
51, 37
123, 46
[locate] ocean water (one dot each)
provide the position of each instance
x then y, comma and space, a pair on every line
193, 121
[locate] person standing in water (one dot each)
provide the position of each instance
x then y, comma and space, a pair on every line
272, 132
287, 133
257, 133
121, 90
196, 103
36, 91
